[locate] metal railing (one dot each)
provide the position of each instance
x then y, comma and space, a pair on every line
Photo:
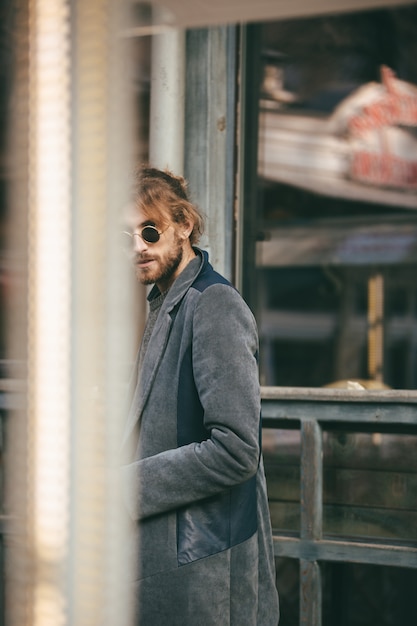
313, 411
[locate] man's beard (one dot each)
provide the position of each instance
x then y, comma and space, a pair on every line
166, 268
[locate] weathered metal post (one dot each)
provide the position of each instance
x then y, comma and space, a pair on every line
311, 519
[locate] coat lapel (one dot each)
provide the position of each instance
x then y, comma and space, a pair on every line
157, 343
150, 365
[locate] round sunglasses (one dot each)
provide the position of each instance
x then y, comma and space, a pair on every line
150, 234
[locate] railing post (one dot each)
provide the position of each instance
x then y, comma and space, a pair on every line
311, 520
310, 593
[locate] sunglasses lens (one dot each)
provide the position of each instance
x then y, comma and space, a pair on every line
150, 234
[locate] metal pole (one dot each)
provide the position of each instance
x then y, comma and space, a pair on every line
166, 143
376, 326
311, 520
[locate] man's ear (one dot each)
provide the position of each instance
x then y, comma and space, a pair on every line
186, 230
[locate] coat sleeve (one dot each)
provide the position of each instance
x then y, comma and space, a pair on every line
225, 368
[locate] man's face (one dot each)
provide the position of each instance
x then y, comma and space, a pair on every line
160, 262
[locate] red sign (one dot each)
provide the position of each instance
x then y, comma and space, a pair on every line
377, 119
396, 105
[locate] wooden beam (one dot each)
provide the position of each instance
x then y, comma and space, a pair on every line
346, 551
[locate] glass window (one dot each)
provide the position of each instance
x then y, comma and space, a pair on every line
336, 223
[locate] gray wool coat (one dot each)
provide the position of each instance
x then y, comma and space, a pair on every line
196, 488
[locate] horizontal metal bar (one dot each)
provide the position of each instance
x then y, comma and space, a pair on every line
355, 412
345, 551
324, 394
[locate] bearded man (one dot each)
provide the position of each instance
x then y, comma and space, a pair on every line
195, 487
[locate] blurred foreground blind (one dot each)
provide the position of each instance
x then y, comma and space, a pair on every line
69, 327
